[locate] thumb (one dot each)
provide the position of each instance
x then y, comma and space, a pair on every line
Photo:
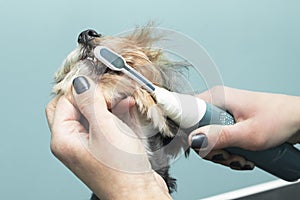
87, 99
214, 137
91, 103
111, 141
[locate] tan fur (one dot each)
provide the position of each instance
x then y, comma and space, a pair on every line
136, 50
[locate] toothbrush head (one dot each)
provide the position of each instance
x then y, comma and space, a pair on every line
117, 63
110, 58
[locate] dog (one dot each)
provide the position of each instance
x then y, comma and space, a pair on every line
137, 50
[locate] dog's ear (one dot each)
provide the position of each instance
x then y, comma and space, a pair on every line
151, 110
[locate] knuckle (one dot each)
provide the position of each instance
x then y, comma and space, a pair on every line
54, 147
84, 104
59, 149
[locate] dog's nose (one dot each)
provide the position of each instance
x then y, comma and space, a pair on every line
87, 35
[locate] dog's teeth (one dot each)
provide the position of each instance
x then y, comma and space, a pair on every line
89, 58
95, 60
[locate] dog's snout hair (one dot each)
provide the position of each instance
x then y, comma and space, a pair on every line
137, 50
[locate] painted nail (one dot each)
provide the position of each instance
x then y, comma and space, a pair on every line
199, 141
235, 165
218, 157
81, 84
248, 167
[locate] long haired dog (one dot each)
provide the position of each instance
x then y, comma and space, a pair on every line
136, 49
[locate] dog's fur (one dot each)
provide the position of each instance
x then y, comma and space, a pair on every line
137, 50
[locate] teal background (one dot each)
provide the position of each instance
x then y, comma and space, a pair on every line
255, 44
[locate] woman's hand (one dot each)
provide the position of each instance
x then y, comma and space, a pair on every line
263, 120
104, 153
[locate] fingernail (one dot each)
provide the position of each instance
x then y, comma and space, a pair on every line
199, 141
235, 165
248, 167
218, 157
81, 84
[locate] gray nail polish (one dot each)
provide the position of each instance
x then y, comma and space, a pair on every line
81, 84
235, 165
199, 141
218, 157
248, 167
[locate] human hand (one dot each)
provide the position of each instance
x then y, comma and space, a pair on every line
263, 120
84, 149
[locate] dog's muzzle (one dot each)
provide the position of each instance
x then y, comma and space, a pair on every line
86, 36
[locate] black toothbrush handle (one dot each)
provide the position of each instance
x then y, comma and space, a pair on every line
282, 161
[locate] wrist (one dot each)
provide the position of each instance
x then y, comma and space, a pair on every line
148, 186
108, 183
133, 186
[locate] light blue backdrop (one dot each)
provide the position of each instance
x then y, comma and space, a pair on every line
255, 44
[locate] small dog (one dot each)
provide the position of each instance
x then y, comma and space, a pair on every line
136, 49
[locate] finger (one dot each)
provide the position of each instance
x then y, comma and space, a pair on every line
89, 99
238, 163
233, 161
110, 140
219, 137
65, 114
65, 143
103, 124
248, 165
217, 156
50, 109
